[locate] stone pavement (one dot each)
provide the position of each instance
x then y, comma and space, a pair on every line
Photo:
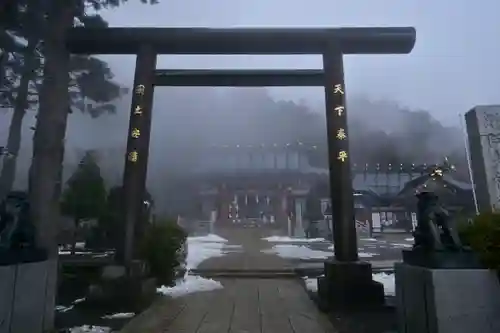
244, 305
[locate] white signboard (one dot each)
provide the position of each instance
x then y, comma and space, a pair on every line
376, 223
414, 220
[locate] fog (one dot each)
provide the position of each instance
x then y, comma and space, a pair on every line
401, 108
189, 121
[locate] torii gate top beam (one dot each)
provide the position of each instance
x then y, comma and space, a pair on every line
399, 40
239, 78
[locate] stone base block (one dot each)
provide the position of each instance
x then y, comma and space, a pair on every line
447, 300
126, 293
349, 285
22, 297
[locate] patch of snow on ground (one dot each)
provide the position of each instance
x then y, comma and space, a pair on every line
62, 308
367, 254
286, 239
190, 284
369, 239
290, 251
386, 279
208, 238
79, 300
203, 248
90, 329
80, 245
199, 249
17, 39
121, 315
311, 284
66, 252
401, 245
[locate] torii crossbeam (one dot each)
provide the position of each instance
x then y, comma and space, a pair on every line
239, 78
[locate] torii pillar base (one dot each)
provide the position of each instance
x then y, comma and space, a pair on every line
349, 286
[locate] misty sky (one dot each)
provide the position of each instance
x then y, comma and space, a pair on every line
454, 66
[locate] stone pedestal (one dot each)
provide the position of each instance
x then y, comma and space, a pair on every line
447, 300
118, 287
23, 290
350, 286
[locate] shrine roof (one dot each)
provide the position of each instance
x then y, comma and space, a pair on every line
446, 180
123, 40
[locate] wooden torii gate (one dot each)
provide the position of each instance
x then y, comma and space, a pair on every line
347, 279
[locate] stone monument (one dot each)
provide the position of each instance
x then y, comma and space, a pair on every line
441, 286
483, 132
23, 269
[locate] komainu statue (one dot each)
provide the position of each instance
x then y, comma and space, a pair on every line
435, 230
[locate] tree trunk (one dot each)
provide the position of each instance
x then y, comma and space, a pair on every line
48, 142
4, 57
15, 129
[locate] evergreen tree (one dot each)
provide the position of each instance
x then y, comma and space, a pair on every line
85, 194
111, 222
91, 89
48, 139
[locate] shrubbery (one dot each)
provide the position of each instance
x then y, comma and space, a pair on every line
163, 247
483, 237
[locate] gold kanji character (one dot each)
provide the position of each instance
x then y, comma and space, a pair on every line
339, 109
337, 89
136, 133
139, 90
342, 156
133, 156
138, 110
341, 135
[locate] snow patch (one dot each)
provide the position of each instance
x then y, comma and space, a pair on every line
208, 238
62, 308
21, 41
286, 239
199, 249
290, 251
79, 300
369, 239
80, 245
367, 254
386, 279
190, 284
90, 329
396, 245
411, 239
121, 315
203, 248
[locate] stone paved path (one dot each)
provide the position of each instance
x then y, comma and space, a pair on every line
244, 305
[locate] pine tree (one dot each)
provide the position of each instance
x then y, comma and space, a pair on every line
48, 140
91, 87
85, 194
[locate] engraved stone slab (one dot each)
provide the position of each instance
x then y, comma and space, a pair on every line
447, 300
483, 131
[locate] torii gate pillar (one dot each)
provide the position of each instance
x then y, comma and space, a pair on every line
347, 282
